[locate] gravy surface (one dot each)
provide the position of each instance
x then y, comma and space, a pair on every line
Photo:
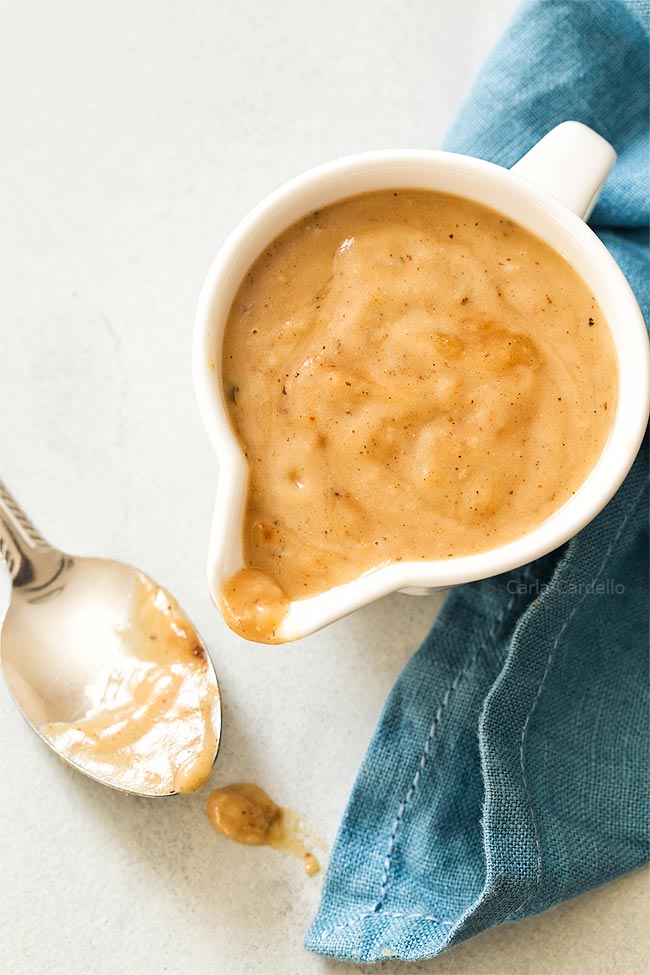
247, 814
411, 376
153, 728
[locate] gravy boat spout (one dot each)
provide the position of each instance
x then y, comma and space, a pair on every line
549, 192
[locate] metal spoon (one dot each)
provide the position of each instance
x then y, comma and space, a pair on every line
61, 633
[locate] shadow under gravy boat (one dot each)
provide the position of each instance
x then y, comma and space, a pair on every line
551, 191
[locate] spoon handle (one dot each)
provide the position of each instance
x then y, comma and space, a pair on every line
25, 553
11, 511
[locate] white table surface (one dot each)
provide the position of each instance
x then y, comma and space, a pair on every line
133, 136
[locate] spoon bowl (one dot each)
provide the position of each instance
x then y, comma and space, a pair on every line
93, 649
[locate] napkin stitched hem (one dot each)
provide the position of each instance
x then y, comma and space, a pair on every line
376, 912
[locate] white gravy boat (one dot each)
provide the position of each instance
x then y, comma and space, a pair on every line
551, 191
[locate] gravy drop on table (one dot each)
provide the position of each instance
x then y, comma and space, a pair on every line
411, 376
153, 727
247, 814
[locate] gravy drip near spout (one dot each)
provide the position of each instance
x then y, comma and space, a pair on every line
411, 376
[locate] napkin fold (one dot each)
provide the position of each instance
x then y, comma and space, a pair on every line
508, 770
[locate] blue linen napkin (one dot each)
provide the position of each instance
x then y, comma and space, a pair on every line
507, 772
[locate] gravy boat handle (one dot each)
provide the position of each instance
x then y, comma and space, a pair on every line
571, 163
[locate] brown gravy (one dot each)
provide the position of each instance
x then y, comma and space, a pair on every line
153, 728
246, 814
412, 377
254, 605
